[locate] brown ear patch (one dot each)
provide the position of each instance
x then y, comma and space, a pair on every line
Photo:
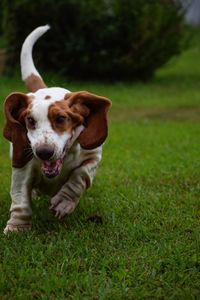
15, 130
94, 110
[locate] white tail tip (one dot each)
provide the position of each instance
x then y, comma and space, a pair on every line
27, 64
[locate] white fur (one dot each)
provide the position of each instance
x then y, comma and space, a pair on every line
77, 174
79, 165
43, 132
65, 189
27, 65
56, 94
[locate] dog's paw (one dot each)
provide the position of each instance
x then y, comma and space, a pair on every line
61, 207
16, 228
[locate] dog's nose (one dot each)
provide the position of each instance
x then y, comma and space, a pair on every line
44, 152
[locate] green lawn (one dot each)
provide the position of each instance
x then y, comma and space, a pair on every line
146, 242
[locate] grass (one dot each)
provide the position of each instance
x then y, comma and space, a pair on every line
146, 193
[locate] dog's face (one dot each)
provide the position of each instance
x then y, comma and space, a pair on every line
51, 126
48, 122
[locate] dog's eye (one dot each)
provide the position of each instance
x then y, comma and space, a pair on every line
60, 119
31, 121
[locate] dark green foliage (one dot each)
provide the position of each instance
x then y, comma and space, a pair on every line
1, 13
112, 39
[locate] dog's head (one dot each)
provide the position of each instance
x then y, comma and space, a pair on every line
46, 124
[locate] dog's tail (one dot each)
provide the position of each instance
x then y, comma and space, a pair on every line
30, 75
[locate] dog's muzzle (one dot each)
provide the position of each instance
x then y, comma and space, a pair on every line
50, 166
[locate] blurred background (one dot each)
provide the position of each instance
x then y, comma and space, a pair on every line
98, 40
145, 57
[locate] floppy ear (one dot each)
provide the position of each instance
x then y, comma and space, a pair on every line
94, 110
14, 129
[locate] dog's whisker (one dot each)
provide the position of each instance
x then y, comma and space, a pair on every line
29, 155
28, 148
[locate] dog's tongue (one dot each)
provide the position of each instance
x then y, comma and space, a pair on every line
52, 168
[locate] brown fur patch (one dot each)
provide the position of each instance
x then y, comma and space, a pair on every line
47, 97
15, 108
61, 109
94, 109
34, 83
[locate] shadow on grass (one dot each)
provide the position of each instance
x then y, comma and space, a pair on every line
168, 80
183, 114
44, 221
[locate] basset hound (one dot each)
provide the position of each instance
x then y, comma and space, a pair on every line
56, 141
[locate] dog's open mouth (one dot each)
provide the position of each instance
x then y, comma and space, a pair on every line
52, 168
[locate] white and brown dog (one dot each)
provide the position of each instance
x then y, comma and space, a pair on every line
56, 141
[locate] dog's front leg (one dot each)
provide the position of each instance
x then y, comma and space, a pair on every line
20, 217
65, 201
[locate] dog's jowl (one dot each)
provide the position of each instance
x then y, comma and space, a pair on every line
56, 141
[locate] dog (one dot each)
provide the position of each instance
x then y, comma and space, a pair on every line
56, 141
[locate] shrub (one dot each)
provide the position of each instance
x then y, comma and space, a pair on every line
104, 39
1, 13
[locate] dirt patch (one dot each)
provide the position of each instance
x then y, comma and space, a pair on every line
176, 114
